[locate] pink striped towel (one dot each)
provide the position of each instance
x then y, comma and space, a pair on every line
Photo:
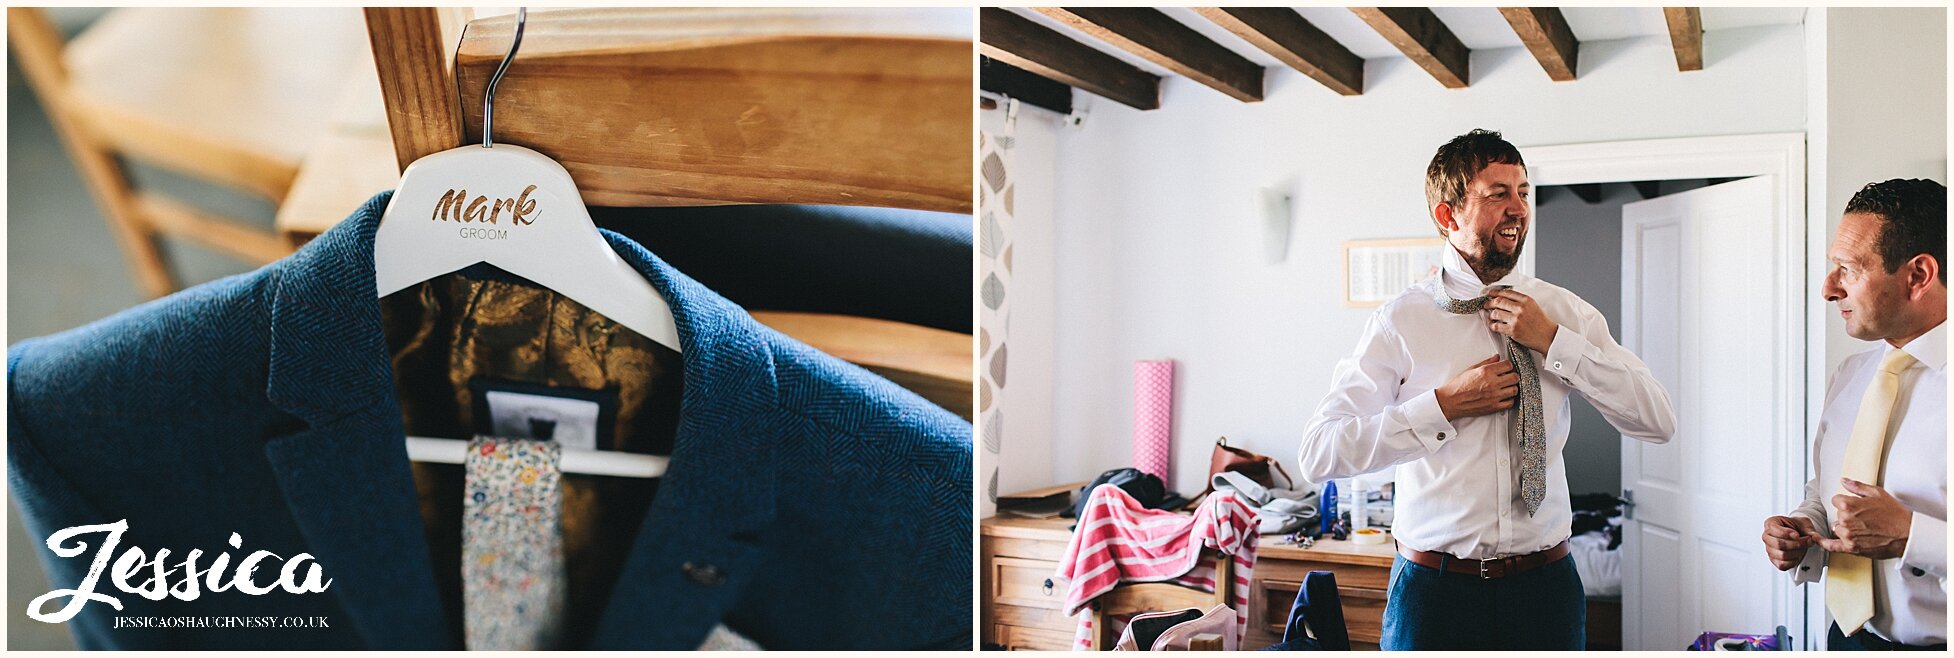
1120, 541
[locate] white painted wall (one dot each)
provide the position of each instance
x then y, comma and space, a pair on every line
1026, 452
1161, 245
1883, 116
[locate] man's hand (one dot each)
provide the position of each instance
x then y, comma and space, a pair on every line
1870, 522
1487, 387
1786, 538
1515, 315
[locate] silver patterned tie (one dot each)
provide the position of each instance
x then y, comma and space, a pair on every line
1529, 431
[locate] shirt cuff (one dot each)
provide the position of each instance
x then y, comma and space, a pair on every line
1565, 354
1812, 569
1427, 420
1926, 546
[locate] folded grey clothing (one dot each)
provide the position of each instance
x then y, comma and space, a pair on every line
1273, 524
1251, 492
1305, 506
1285, 511
1294, 494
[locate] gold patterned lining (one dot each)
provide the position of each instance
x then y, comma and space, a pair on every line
447, 331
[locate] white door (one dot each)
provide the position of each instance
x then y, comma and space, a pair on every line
1700, 299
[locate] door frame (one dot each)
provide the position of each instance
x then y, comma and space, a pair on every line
1801, 326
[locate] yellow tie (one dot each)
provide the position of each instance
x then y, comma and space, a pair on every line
1848, 577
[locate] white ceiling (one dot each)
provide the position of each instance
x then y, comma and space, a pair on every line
1477, 27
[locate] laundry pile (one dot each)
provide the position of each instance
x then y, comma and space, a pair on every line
1118, 540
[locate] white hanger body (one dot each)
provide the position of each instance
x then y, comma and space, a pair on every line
586, 462
518, 210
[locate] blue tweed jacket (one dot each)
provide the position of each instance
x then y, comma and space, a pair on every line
833, 506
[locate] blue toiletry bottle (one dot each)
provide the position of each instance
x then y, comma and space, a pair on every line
1329, 506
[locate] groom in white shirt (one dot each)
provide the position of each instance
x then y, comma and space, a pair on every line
1873, 525
1462, 383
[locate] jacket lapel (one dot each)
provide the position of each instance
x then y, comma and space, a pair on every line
347, 480
346, 477
351, 492
701, 542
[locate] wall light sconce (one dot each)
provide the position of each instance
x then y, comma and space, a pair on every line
1277, 207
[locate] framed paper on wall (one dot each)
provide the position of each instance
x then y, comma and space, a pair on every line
1376, 270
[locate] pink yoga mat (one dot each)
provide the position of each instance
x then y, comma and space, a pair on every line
1153, 416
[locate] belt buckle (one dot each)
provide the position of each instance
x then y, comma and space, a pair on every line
1483, 575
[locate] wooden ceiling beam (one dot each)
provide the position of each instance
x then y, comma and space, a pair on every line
1286, 35
1546, 34
1418, 33
1013, 82
1686, 32
1020, 42
1160, 39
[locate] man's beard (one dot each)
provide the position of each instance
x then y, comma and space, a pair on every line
1491, 264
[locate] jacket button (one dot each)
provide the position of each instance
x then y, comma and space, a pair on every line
1556, 365
1917, 572
1441, 436
704, 574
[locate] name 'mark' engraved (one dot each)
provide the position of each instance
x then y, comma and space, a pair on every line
455, 206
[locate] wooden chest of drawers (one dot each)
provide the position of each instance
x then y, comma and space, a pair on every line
1363, 579
1020, 607
1021, 599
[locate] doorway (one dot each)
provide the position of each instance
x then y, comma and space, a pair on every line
1685, 550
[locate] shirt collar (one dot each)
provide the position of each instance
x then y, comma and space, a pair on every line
1930, 348
1460, 281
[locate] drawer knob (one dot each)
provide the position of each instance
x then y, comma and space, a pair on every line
1048, 587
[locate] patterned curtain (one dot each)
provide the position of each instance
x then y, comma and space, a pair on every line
995, 199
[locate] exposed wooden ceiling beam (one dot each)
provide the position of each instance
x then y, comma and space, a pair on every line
1589, 192
1018, 41
1648, 189
1160, 39
1545, 32
1286, 35
1001, 78
1686, 32
1418, 33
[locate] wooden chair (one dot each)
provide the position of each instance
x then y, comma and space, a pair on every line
224, 95
671, 107
1130, 599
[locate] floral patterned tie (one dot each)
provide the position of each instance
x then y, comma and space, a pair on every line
512, 545
1529, 431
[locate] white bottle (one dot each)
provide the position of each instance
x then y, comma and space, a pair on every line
1359, 496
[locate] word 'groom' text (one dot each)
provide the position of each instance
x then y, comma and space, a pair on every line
156, 586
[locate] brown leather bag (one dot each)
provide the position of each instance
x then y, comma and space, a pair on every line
1255, 466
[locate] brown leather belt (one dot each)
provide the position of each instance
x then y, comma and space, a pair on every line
1487, 569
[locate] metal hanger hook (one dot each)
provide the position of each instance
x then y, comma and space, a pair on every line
488, 97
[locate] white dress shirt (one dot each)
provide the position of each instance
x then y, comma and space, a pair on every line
1909, 593
1457, 482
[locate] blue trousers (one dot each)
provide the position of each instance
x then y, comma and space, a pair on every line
1542, 609
1865, 640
